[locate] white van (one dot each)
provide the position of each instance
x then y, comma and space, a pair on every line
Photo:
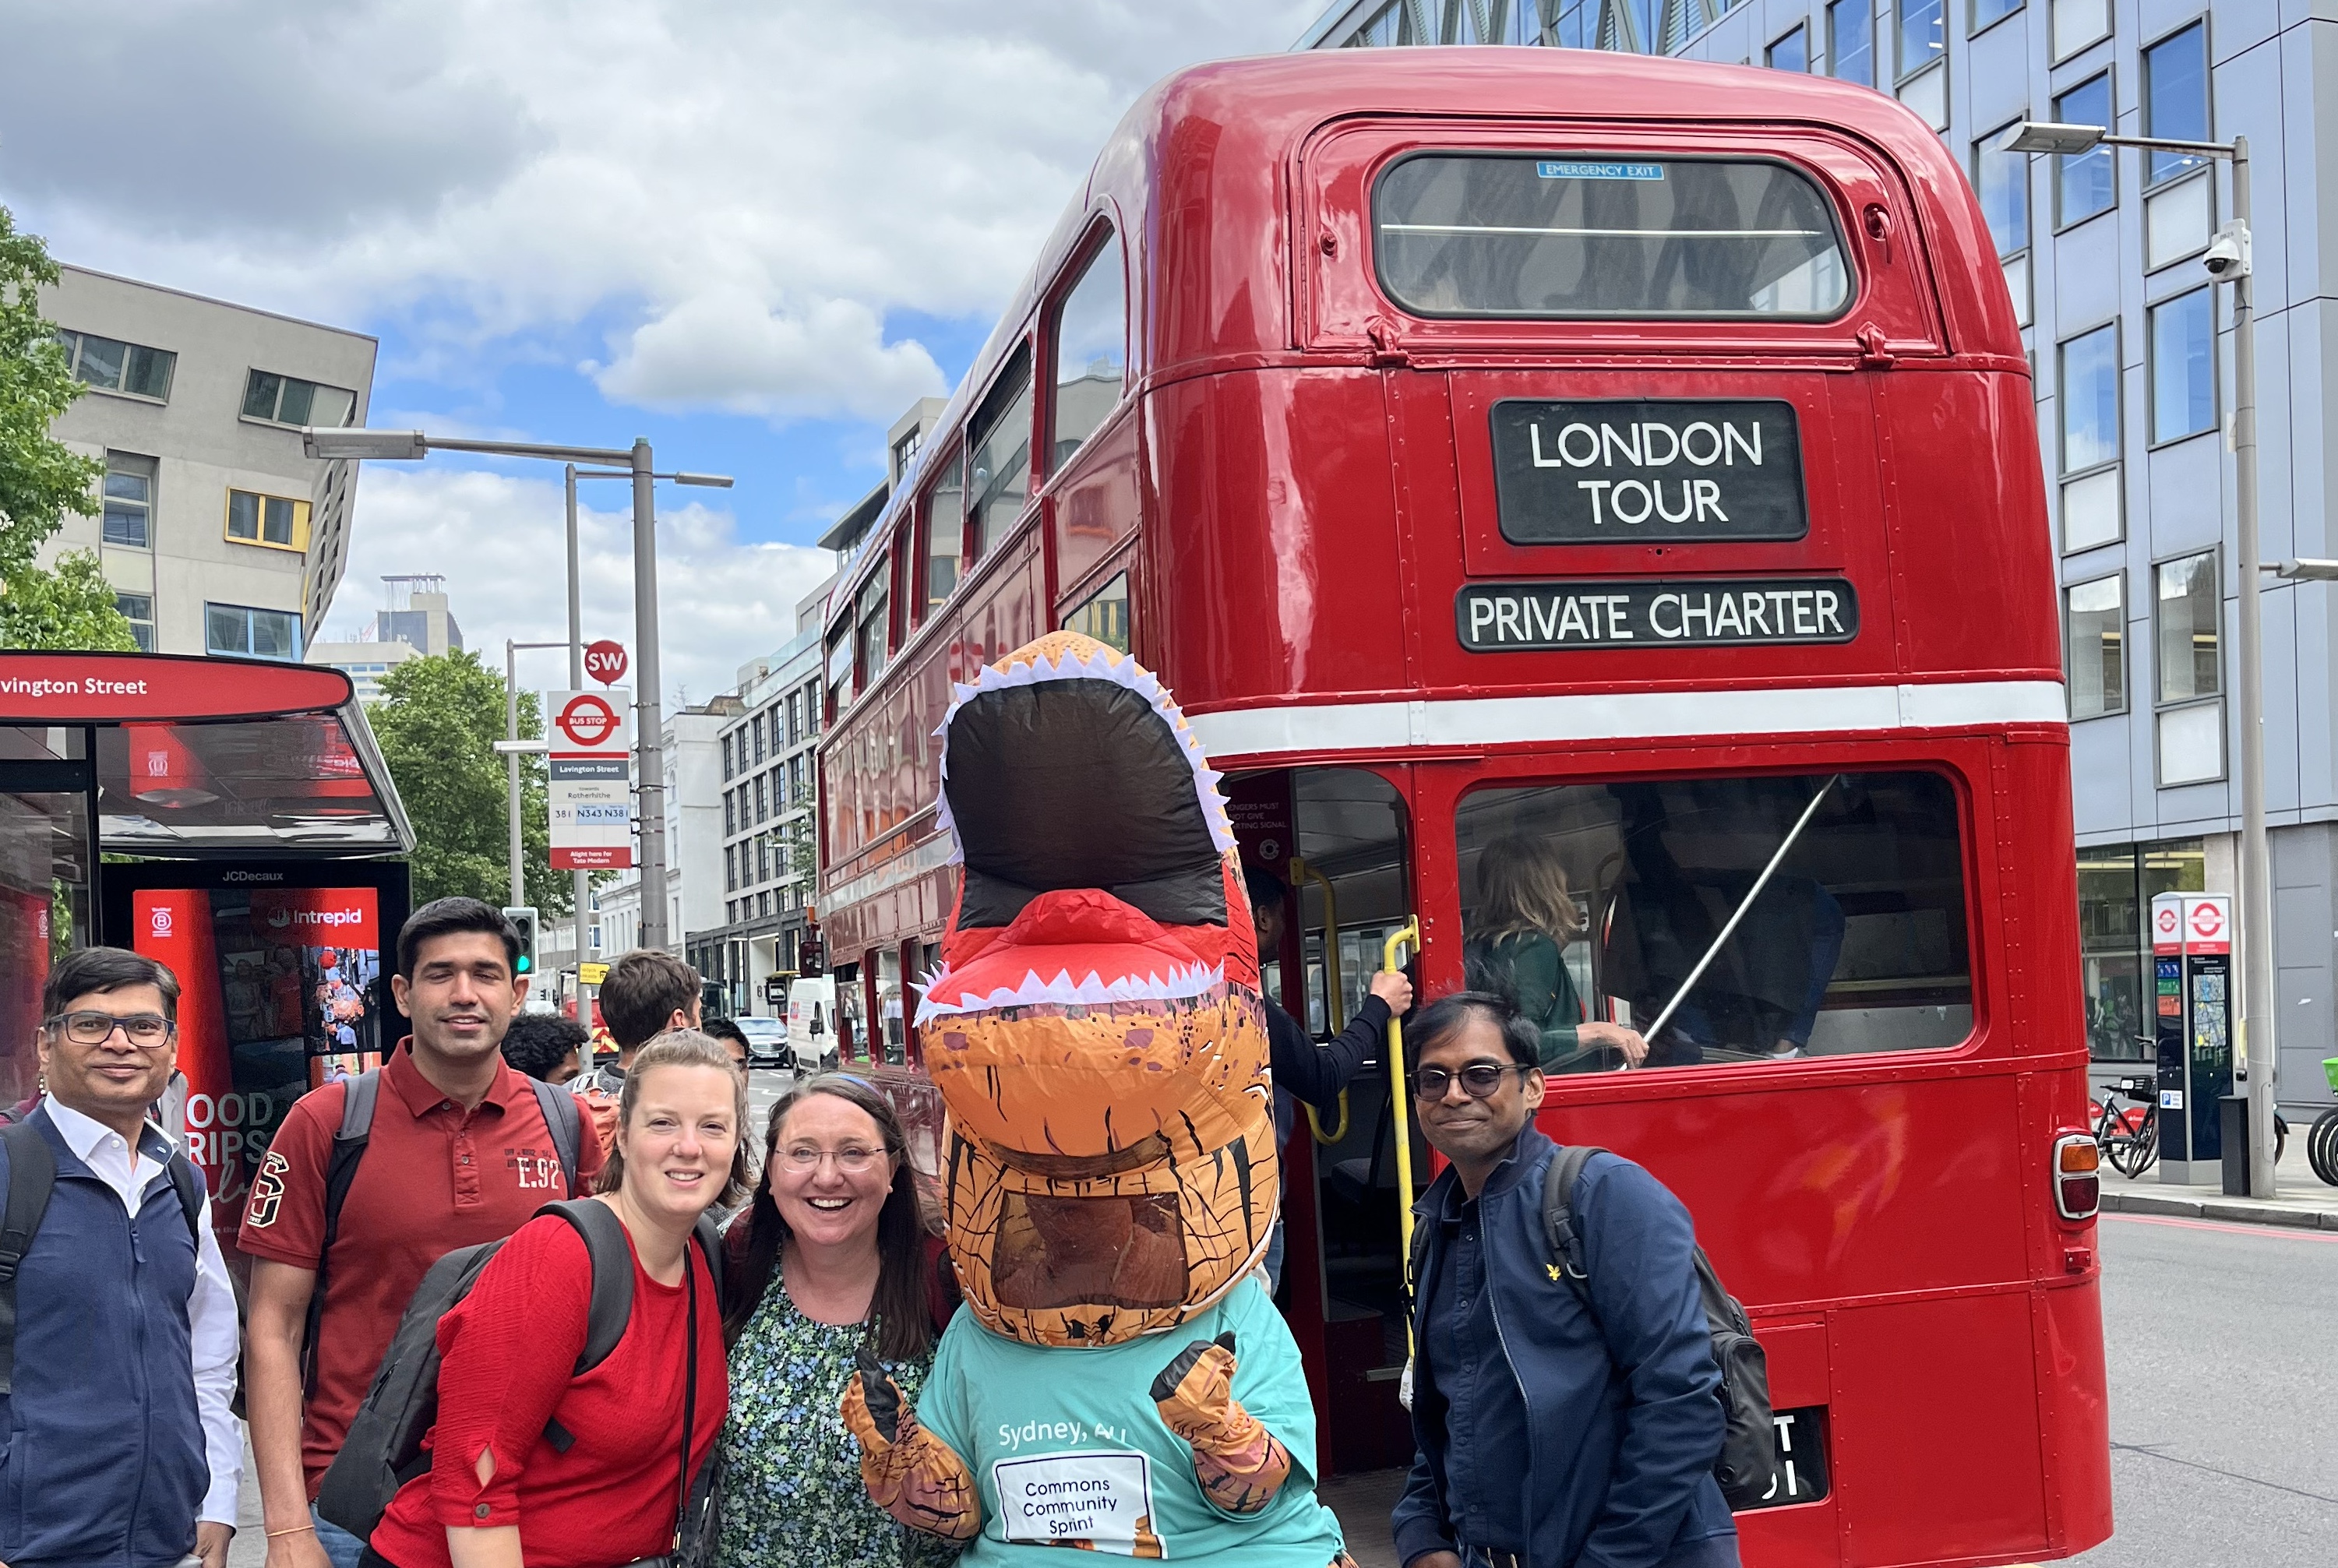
812, 1023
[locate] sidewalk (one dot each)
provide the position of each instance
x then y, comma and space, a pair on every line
2300, 1199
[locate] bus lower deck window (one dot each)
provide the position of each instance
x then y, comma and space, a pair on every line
1575, 236
1724, 919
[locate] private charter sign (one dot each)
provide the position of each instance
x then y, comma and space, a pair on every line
1504, 617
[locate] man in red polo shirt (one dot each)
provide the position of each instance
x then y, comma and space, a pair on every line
459, 1152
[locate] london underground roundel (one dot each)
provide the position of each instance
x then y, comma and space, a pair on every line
587, 719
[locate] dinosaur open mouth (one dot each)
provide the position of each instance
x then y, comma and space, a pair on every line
1114, 1251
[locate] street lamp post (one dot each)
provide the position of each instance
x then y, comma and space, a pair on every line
633, 461
513, 749
2227, 261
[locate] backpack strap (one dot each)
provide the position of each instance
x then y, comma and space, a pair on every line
709, 1236
32, 1177
564, 1119
189, 1188
611, 1304
358, 1095
1560, 1232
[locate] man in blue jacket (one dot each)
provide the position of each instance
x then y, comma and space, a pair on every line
117, 1448
1547, 1437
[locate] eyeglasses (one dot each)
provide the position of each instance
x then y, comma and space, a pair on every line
147, 1031
1479, 1080
852, 1160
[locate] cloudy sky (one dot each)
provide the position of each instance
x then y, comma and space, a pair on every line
752, 230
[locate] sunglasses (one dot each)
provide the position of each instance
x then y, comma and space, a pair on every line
1479, 1080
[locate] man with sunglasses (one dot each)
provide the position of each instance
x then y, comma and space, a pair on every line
1549, 1432
119, 1355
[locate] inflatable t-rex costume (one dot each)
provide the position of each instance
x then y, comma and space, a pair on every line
1120, 1381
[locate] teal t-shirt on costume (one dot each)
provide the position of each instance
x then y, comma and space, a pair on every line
1066, 1445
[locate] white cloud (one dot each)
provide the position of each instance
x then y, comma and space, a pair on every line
726, 349
498, 540
768, 177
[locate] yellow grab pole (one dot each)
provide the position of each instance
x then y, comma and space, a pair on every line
1399, 1094
1334, 996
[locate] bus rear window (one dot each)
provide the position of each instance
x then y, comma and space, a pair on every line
1479, 235
1722, 919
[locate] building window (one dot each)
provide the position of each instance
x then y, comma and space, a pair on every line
2087, 182
795, 718
763, 800
763, 858
129, 500
1104, 614
2088, 392
2184, 366
2002, 182
1851, 41
270, 520
1791, 53
2175, 99
2117, 884
1986, 12
287, 401
731, 868
1091, 349
730, 811
796, 780
2095, 633
2078, 23
1921, 40
130, 368
138, 609
905, 451
755, 727
257, 633
727, 769
2188, 618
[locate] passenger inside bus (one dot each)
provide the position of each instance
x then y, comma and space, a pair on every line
1731, 919
1526, 918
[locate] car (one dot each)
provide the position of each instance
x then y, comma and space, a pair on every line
767, 1041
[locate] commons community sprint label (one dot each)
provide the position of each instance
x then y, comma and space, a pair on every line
1517, 617
1632, 473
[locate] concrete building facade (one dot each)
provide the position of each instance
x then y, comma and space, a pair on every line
414, 623
2131, 344
693, 836
217, 535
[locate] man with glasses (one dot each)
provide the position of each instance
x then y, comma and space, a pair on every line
1549, 1431
117, 1321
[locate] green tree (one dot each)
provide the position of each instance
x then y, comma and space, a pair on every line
41, 478
437, 724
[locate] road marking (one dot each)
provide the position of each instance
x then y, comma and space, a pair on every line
2295, 1232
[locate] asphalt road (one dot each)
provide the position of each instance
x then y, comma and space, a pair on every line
2222, 1348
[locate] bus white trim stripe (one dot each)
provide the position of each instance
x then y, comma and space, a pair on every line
1625, 716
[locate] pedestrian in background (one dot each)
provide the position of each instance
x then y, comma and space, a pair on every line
533, 1462
1548, 1434
461, 1149
545, 1045
832, 1255
645, 993
1302, 1069
117, 1448
733, 1039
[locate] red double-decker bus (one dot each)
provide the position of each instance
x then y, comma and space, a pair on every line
1591, 504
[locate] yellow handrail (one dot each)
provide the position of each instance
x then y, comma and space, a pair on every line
1398, 1096
1335, 997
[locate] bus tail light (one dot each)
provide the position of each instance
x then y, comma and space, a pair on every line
2077, 1178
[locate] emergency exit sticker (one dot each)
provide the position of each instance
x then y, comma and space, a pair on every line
1568, 170
1099, 1501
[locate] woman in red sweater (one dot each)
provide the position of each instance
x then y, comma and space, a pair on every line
501, 1490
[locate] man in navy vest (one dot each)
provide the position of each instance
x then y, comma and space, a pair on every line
120, 1449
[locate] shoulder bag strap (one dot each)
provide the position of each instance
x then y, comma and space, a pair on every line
561, 1120
358, 1095
689, 1401
32, 1176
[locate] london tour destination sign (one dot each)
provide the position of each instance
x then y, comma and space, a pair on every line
1632, 473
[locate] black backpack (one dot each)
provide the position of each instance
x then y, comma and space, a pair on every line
383, 1450
32, 1177
1748, 1445
561, 1118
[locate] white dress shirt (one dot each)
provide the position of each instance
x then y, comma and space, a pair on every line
211, 1305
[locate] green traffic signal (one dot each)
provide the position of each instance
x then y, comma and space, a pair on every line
523, 922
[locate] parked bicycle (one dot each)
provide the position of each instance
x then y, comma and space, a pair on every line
2321, 1138
2128, 1135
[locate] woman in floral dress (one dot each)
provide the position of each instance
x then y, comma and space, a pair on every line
831, 1254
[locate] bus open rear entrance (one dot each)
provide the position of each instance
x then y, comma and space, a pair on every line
232, 819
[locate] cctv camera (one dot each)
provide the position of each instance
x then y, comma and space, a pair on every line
2228, 256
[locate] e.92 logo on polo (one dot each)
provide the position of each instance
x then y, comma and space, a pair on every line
1641, 472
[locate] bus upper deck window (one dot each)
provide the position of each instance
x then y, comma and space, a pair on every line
1091, 351
1571, 238
1000, 475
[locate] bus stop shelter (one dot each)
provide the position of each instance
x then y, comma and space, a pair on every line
116, 766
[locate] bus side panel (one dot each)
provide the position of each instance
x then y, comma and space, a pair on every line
1936, 1455
1960, 460
2074, 1407
1273, 490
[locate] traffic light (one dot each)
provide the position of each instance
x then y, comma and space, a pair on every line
524, 921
